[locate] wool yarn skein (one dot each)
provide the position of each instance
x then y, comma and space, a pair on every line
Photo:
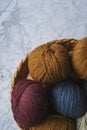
29, 103
49, 63
69, 99
79, 58
56, 122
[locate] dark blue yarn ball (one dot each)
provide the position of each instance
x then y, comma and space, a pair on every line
85, 86
69, 99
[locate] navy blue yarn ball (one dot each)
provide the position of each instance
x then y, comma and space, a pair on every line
68, 99
85, 87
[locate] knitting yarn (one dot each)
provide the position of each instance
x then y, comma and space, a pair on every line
79, 58
81, 123
85, 87
29, 77
29, 103
69, 44
55, 122
49, 63
69, 99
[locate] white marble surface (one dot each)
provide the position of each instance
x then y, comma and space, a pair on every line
25, 24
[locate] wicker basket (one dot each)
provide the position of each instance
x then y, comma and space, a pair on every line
22, 70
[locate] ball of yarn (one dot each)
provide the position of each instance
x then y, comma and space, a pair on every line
80, 58
55, 122
69, 44
85, 87
81, 123
49, 63
69, 99
29, 103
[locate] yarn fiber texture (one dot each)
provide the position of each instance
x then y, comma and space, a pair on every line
29, 103
81, 123
69, 44
79, 58
56, 122
69, 99
85, 87
49, 63
33, 106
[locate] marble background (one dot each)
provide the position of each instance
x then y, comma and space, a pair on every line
25, 24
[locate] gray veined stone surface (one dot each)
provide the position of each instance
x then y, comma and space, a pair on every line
25, 24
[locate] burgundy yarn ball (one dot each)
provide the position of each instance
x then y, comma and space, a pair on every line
29, 103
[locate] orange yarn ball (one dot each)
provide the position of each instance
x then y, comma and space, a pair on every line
56, 122
79, 58
49, 63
